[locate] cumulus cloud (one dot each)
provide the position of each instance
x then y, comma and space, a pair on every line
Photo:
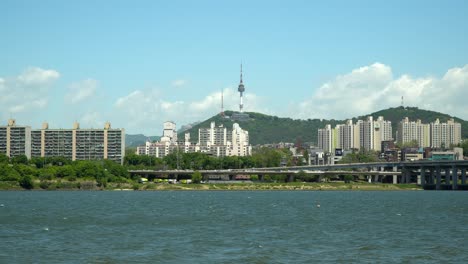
27, 91
37, 76
81, 91
179, 83
372, 88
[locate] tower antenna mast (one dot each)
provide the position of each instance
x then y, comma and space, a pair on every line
241, 90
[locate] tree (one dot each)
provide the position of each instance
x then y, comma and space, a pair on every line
21, 159
26, 182
196, 177
464, 145
7, 173
4, 158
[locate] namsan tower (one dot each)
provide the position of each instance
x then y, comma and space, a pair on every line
241, 90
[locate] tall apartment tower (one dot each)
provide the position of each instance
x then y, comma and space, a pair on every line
445, 134
15, 140
409, 131
382, 132
345, 135
366, 134
325, 138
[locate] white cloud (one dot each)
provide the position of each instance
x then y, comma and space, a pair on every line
373, 88
91, 119
179, 83
37, 76
82, 90
145, 111
27, 92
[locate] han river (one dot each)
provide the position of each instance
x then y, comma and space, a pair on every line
233, 227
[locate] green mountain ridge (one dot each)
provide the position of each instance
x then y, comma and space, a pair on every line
265, 129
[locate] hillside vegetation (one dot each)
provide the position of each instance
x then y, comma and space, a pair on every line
264, 129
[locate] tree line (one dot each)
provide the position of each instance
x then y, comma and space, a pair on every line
50, 170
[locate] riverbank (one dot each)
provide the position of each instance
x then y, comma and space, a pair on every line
247, 186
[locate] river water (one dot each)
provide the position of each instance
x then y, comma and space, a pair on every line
233, 227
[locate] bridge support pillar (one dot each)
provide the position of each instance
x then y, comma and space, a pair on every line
454, 177
422, 177
438, 180
404, 176
395, 177
290, 178
463, 176
431, 176
447, 176
260, 177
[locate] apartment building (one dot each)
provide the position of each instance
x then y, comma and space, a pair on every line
15, 140
365, 134
215, 140
413, 130
345, 135
79, 144
326, 139
445, 134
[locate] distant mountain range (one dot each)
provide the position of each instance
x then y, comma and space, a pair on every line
264, 129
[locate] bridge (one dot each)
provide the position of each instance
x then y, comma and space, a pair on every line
437, 175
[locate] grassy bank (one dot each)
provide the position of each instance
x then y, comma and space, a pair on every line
299, 186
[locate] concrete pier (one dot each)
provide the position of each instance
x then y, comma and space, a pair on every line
454, 177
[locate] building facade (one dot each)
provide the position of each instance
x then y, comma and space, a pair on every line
79, 144
326, 139
215, 140
365, 134
445, 134
409, 131
15, 140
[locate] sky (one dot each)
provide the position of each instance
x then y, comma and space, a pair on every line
140, 63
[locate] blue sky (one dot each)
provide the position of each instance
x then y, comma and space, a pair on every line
140, 63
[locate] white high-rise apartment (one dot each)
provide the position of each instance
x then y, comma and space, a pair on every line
366, 134
220, 141
325, 139
409, 131
345, 135
445, 134
382, 132
215, 140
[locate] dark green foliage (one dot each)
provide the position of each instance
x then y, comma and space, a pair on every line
464, 145
89, 169
197, 177
21, 159
360, 157
8, 173
26, 182
65, 171
4, 158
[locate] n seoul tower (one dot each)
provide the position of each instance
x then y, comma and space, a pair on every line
241, 90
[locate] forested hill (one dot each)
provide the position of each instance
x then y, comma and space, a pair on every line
265, 129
